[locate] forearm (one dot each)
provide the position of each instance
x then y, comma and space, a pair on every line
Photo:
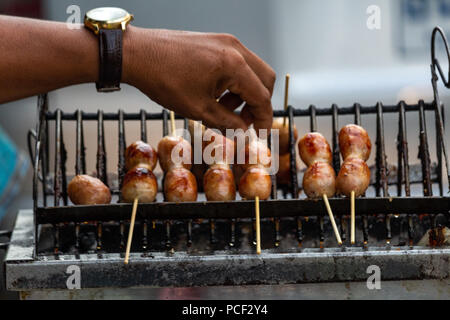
38, 56
184, 71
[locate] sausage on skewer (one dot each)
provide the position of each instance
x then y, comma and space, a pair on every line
87, 190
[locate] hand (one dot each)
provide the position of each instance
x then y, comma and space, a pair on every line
188, 71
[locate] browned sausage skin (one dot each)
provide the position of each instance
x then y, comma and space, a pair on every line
319, 179
283, 134
140, 183
218, 147
255, 181
87, 190
180, 185
140, 152
254, 153
218, 183
165, 147
313, 147
354, 142
353, 176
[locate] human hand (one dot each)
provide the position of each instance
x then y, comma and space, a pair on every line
188, 71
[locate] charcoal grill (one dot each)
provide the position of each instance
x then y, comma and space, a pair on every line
212, 243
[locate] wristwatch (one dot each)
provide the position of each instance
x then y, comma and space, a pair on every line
109, 24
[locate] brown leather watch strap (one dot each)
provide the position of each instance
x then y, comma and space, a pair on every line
110, 45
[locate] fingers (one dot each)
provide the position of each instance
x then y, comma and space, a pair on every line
231, 101
219, 116
246, 84
261, 68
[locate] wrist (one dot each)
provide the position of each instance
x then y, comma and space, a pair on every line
139, 56
130, 55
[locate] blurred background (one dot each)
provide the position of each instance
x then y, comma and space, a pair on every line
326, 46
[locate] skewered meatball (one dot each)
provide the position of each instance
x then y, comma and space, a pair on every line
283, 134
353, 176
255, 152
165, 147
255, 182
217, 148
84, 189
354, 142
180, 185
140, 152
319, 179
313, 147
219, 184
139, 182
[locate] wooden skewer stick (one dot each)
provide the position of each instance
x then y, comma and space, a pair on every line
333, 223
172, 122
352, 217
130, 233
286, 95
258, 228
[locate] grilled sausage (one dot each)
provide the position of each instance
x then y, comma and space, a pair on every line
319, 179
283, 134
354, 142
353, 176
218, 183
180, 185
87, 190
313, 147
165, 147
140, 152
217, 148
254, 153
254, 182
139, 182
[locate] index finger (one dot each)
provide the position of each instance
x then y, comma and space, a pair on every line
246, 84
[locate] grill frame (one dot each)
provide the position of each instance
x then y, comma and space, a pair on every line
409, 261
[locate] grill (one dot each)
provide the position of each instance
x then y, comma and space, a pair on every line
212, 243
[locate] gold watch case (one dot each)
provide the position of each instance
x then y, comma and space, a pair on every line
107, 18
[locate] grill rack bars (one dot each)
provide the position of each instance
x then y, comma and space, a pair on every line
275, 208
381, 183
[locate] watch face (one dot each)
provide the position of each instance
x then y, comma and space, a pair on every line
107, 14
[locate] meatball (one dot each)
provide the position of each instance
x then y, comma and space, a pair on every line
256, 152
139, 182
354, 142
313, 147
180, 185
283, 134
319, 179
217, 148
256, 181
140, 152
87, 190
219, 184
353, 176
165, 148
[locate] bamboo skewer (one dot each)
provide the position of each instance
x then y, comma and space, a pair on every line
352, 217
258, 227
130, 233
286, 95
333, 223
172, 123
